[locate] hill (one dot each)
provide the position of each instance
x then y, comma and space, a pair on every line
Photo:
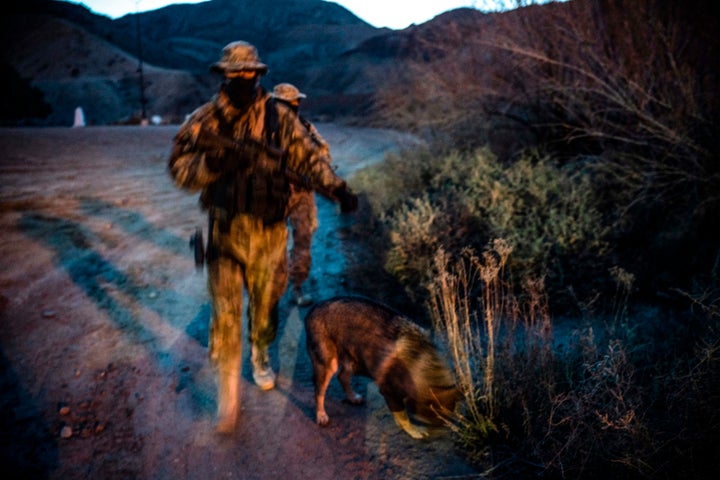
77, 58
350, 70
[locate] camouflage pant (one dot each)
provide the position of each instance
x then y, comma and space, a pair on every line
303, 220
244, 254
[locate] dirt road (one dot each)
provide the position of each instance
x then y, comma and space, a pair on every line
104, 319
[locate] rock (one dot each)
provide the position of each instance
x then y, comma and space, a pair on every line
66, 432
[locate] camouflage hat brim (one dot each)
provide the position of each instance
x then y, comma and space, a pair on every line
283, 97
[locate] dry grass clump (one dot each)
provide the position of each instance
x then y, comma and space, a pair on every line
583, 411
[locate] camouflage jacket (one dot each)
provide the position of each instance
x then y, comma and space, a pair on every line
320, 143
226, 178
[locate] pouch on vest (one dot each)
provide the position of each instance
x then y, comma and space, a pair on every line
261, 192
268, 194
271, 187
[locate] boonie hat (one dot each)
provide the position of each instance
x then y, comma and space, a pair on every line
238, 56
287, 92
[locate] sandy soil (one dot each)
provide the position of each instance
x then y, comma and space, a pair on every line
104, 320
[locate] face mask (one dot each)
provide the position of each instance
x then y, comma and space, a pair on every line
240, 90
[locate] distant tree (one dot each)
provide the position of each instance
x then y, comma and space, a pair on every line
20, 100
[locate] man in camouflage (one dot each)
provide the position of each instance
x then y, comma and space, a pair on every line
246, 196
302, 209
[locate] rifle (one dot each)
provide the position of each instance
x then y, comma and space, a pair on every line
248, 145
213, 141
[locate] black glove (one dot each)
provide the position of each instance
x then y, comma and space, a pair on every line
348, 200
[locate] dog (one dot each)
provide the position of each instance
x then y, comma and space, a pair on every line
358, 336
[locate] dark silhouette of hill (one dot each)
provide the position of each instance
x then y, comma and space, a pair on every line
77, 58
72, 67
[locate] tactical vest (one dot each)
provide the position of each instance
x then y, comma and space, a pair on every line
261, 192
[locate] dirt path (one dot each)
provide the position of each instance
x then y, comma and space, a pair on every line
104, 319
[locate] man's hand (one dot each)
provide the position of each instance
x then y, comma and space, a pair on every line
216, 161
348, 200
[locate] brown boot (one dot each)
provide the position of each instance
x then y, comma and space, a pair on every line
263, 375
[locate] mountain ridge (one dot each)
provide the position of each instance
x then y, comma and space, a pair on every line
78, 58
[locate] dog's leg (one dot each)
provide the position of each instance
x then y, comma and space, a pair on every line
323, 375
403, 421
345, 377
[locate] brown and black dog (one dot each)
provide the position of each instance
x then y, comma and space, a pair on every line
358, 336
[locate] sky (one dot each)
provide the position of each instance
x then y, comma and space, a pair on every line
395, 14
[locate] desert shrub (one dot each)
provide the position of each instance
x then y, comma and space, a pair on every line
631, 84
541, 209
401, 176
547, 213
622, 75
634, 83
614, 402
415, 236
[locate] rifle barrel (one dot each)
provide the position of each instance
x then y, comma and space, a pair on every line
211, 139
